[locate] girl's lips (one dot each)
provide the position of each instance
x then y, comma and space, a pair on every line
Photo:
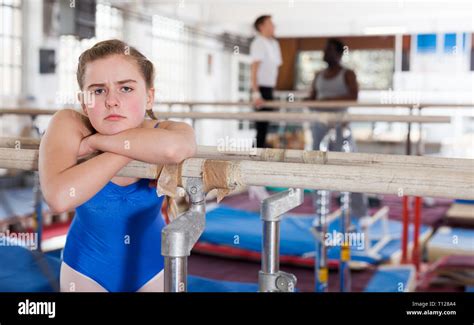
114, 117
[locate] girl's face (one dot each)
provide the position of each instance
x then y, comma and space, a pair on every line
117, 96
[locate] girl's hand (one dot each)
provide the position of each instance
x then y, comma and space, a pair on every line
85, 148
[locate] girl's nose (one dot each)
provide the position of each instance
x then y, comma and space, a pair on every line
112, 100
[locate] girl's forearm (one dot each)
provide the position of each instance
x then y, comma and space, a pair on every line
154, 146
77, 184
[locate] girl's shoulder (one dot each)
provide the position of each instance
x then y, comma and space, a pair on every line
153, 124
74, 119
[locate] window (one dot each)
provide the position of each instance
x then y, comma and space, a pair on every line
244, 78
171, 51
449, 42
70, 48
373, 68
426, 43
10, 49
307, 64
109, 24
445, 53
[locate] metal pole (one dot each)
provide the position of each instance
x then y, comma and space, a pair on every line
418, 206
321, 272
38, 210
179, 237
323, 207
270, 278
35, 133
405, 200
176, 272
408, 143
344, 269
271, 247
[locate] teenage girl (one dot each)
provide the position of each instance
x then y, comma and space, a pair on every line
114, 243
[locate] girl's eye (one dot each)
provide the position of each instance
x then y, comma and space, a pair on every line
126, 89
99, 91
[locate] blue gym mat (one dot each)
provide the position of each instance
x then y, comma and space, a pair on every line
243, 229
391, 279
23, 270
200, 284
17, 202
464, 201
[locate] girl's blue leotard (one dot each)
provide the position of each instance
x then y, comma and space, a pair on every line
115, 237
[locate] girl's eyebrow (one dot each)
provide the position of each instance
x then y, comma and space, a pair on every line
121, 82
125, 81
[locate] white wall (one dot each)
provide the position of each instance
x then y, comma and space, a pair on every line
303, 19
212, 87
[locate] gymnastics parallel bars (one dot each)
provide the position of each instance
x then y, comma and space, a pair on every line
443, 179
423, 176
352, 159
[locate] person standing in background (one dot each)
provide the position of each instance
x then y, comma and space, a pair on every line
333, 83
336, 83
266, 59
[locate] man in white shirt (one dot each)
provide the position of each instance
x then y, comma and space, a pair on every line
266, 59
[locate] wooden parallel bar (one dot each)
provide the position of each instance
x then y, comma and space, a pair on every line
307, 117
324, 117
421, 181
274, 104
301, 156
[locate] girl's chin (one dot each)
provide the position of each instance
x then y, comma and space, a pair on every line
112, 129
